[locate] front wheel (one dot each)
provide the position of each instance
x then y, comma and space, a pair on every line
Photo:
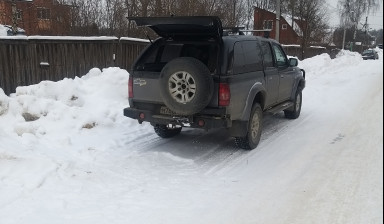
294, 111
255, 125
166, 131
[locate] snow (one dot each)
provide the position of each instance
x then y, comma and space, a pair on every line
68, 155
291, 45
319, 47
134, 39
3, 30
13, 37
72, 38
3, 35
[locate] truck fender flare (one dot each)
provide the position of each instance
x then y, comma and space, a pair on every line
253, 92
299, 83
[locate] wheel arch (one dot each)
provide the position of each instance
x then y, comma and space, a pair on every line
299, 85
256, 95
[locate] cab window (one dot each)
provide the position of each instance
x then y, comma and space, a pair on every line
281, 59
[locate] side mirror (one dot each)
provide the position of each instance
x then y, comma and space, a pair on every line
293, 62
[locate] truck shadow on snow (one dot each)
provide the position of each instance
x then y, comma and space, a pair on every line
211, 146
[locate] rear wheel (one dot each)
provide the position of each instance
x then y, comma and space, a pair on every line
255, 125
166, 131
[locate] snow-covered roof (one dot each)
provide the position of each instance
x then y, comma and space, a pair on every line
295, 27
288, 19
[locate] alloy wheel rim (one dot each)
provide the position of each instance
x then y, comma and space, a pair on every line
255, 127
298, 102
182, 87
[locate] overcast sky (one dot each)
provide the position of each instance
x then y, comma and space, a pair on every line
375, 21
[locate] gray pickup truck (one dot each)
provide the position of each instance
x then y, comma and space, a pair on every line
198, 75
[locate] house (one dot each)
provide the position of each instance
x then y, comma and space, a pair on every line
290, 31
37, 17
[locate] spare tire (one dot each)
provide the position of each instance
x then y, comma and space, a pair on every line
186, 85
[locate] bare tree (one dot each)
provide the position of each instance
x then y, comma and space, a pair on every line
86, 17
313, 22
109, 17
289, 7
269, 5
353, 10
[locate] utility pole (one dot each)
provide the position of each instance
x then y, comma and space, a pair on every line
277, 21
365, 34
346, 8
234, 13
354, 30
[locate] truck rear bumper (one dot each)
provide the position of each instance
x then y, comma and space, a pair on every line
194, 121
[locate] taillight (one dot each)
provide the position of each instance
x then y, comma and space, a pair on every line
224, 94
130, 87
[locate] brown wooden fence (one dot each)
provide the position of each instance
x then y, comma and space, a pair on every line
30, 60
295, 50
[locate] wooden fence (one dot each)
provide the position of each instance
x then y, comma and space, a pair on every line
295, 50
30, 60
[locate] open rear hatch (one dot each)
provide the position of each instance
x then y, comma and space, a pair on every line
183, 27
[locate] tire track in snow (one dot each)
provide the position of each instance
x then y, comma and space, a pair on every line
213, 152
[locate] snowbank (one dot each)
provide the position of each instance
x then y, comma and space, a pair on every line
3, 102
71, 104
3, 30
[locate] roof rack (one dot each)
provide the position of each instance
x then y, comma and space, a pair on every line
232, 31
241, 31
266, 32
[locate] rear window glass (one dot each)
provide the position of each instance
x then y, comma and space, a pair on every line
157, 56
170, 52
267, 54
247, 57
238, 59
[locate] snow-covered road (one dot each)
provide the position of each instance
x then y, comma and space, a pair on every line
79, 160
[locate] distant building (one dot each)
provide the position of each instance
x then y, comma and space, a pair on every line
37, 17
290, 31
